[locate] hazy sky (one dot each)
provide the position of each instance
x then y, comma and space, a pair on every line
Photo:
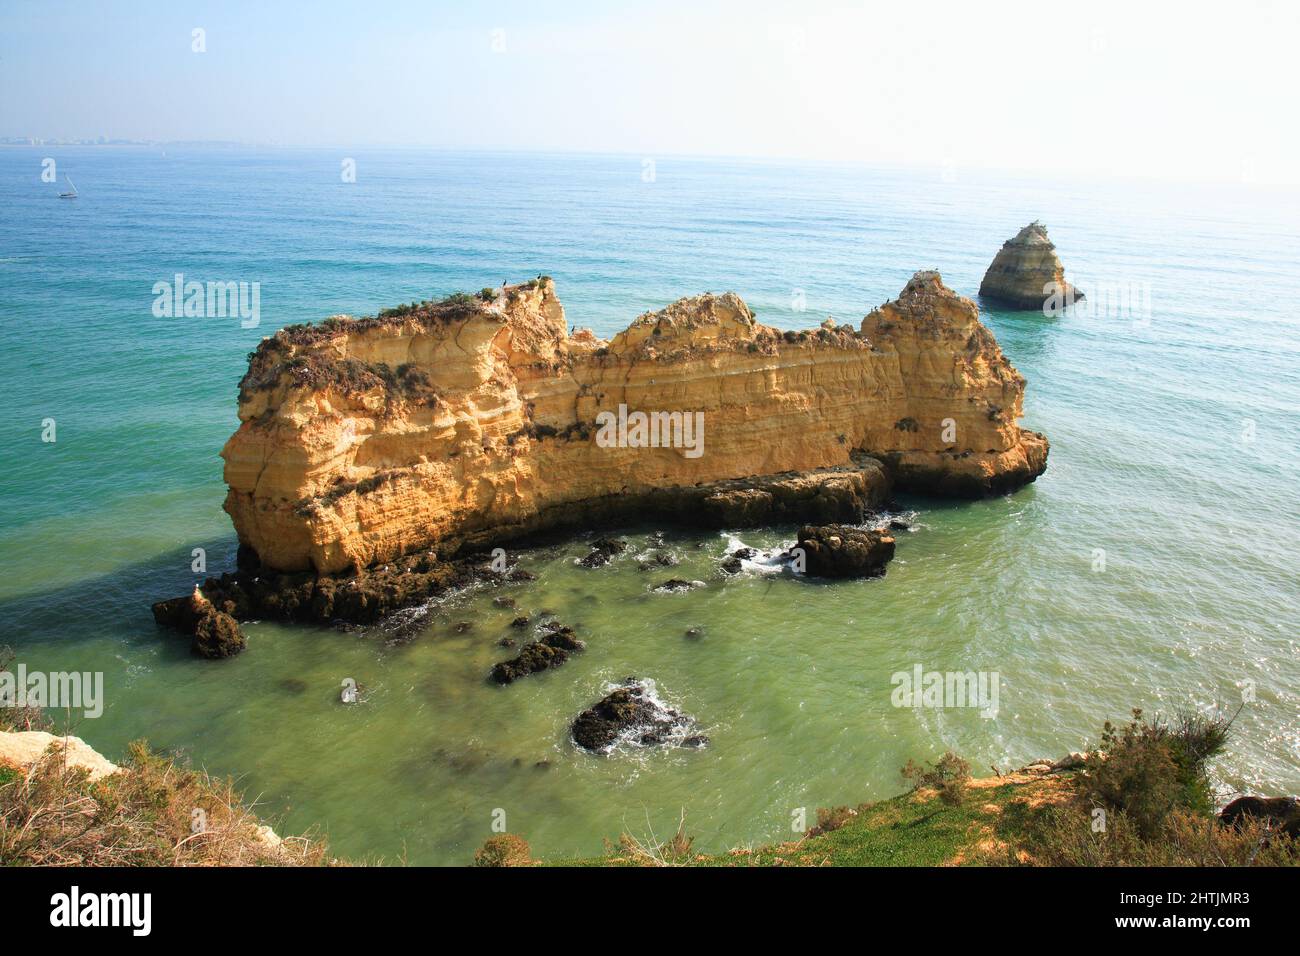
1176, 91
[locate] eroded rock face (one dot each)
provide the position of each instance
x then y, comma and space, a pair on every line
838, 551
1026, 273
468, 423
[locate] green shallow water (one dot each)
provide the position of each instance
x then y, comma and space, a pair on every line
791, 679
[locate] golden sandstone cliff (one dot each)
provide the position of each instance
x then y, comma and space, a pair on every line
1027, 273
478, 419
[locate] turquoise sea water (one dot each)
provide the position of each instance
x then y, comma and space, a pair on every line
1175, 438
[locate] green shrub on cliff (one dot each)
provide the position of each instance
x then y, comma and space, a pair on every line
1149, 768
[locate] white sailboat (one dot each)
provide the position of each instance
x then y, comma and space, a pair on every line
73, 193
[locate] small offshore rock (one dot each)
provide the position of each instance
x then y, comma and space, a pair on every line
843, 551
551, 650
602, 552
677, 584
633, 714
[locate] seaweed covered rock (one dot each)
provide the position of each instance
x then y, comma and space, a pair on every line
633, 713
602, 552
551, 650
842, 551
215, 632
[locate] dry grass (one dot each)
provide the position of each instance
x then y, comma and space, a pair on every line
154, 813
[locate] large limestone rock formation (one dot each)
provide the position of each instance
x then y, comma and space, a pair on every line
1027, 273
471, 421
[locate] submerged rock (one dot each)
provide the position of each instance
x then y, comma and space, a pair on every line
1027, 273
677, 584
551, 650
840, 551
633, 714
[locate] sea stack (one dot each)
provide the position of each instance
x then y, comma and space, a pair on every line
1027, 273
457, 425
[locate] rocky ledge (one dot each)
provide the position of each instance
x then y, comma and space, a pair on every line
476, 420
1027, 273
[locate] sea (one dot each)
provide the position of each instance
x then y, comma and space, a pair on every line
1155, 565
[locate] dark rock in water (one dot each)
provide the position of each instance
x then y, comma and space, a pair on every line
665, 559
897, 524
504, 601
732, 565
1281, 813
215, 632
519, 574
677, 584
551, 650
542, 765
630, 713
293, 685
359, 598
745, 554
520, 621
463, 626
602, 552
506, 642
696, 740
841, 551
216, 636
561, 636
694, 633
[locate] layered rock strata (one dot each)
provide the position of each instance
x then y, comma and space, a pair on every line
473, 421
1027, 273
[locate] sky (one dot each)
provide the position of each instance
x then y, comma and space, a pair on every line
1173, 91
